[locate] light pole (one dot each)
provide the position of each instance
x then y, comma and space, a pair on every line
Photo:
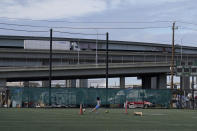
96, 47
181, 78
50, 64
181, 50
106, 73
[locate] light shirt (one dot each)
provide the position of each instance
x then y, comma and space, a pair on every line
98, 102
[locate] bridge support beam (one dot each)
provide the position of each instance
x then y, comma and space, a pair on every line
162, 81
185, 82
67, 83
156, 82
73, 83
70, 83
26, 83
83, 83
122, 82
146, 82
45, 84
3, 89
2, 83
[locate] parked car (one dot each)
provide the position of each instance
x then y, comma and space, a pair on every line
139, 104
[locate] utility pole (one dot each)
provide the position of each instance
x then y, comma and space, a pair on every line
50, 65
172, 60
107, 40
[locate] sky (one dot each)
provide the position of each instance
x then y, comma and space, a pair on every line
159, 13
156, 15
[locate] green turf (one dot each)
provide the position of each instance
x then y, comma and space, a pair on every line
115, 120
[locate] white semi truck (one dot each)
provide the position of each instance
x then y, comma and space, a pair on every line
45, 45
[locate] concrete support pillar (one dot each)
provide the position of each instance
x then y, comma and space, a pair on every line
185, 82
146, 82
67, 83
73, 84
122, 82
3, 98
70, 83
157, 82
83, 83
45, 84
153, 82
196, 82
2, 83
161, 81
26, 83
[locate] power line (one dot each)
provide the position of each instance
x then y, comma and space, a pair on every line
47, 31
23, 25
182, 27
184, 22
22, 30
110, 22
77, 33
116, 28
70, 27
29, 19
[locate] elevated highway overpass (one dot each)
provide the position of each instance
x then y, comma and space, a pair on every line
14, 57
142, 70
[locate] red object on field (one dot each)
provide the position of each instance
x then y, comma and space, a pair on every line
126, 107
81, 110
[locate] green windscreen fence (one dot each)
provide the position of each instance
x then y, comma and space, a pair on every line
72, 97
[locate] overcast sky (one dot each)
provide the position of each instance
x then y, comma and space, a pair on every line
106, 11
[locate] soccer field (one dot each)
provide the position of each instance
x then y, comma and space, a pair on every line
14, 119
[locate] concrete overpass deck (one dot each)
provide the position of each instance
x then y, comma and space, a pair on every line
83, 71
21, 57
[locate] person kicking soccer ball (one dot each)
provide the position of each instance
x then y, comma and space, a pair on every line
97, 105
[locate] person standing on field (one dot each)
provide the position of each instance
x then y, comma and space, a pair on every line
97, 105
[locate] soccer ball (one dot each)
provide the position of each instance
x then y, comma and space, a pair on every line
84, 110
106, 111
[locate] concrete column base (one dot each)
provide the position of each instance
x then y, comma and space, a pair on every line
45, 84
185, 82
162, 81
122, 82
70, 83
146, 82
26, 83
2, 84
154, 82
83, 83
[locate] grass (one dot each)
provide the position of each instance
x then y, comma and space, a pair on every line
14, 119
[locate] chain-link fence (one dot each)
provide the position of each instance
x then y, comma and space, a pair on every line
186, 99
73, 97
112, 97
